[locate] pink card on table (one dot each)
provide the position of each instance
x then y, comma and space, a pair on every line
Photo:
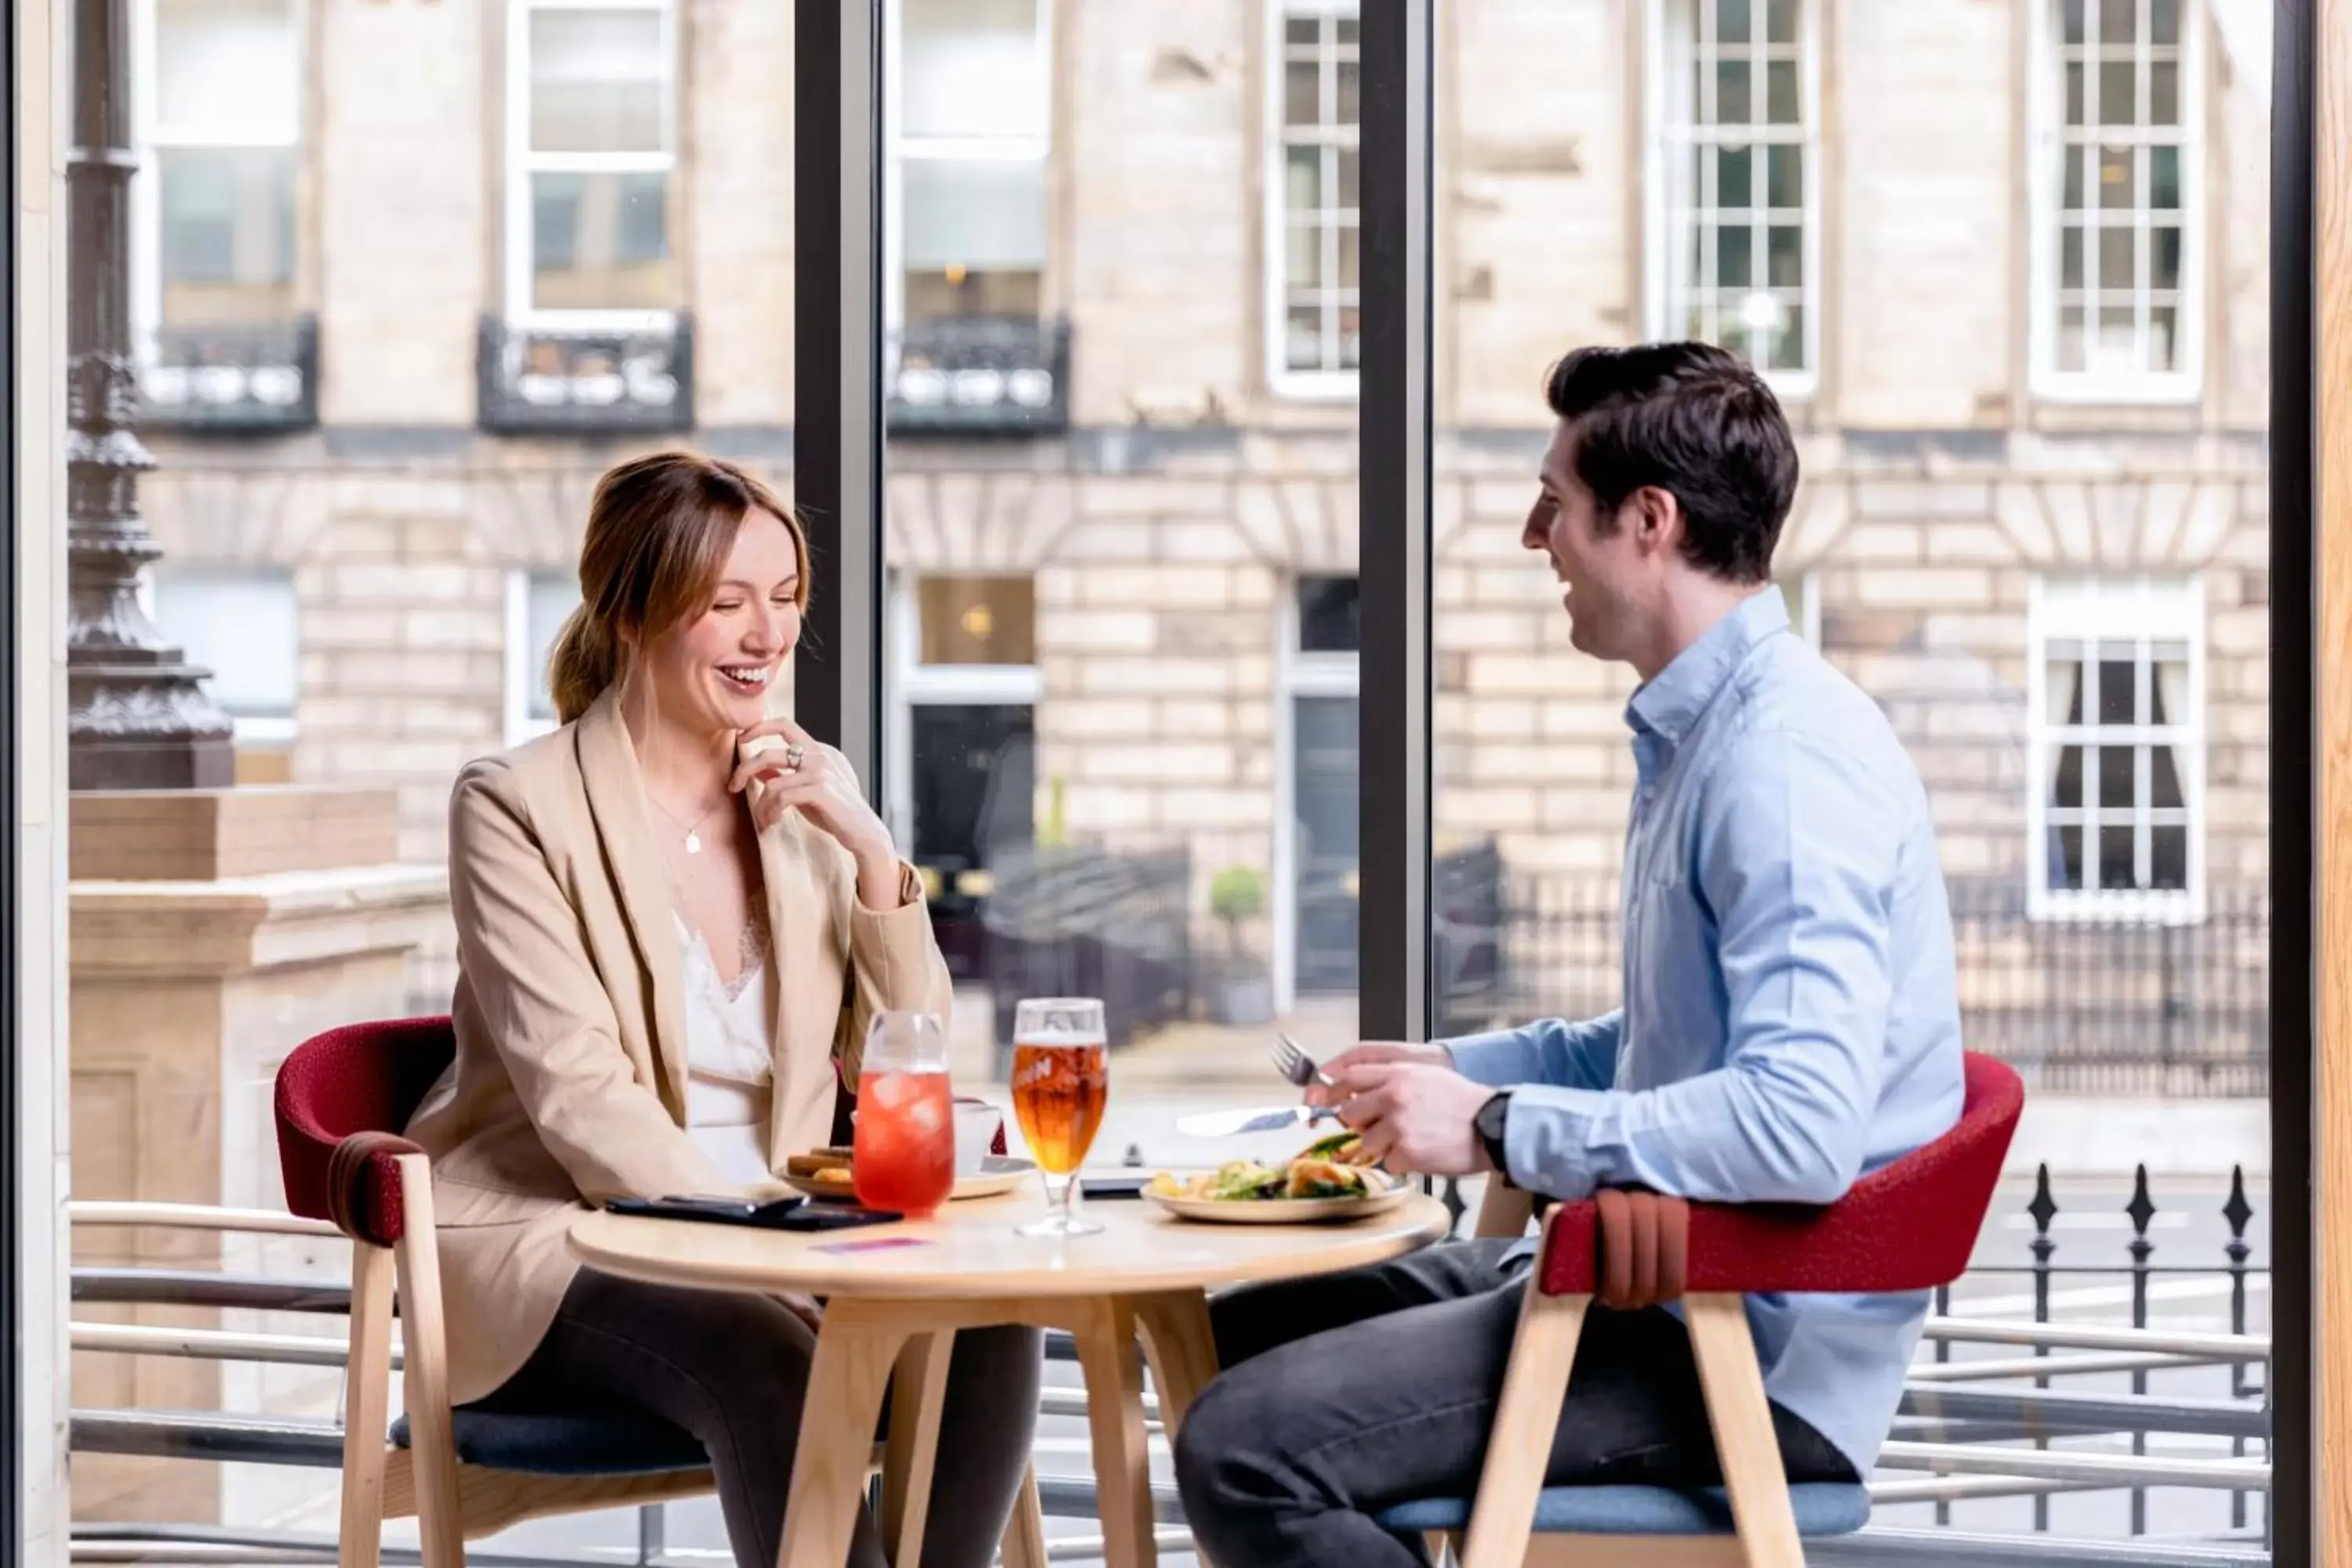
871, 1244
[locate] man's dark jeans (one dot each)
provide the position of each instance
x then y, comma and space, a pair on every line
1346, 1394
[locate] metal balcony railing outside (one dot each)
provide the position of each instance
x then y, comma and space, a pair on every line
553, 380
255, 378
987, 375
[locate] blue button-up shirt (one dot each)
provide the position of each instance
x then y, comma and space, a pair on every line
1790, 1015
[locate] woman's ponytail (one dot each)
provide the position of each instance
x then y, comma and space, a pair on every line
586, 661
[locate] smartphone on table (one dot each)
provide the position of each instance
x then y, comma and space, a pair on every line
768, 1213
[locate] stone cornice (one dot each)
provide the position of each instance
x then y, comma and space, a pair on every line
241, 925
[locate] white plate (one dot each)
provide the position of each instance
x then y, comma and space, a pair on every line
997, 1175
1279, 1211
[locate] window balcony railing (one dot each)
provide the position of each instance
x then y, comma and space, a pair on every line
545, 380
992, 376
238, 378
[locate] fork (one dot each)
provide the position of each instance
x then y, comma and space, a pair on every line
1294, 1064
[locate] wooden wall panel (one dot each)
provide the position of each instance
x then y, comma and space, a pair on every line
2331, 1471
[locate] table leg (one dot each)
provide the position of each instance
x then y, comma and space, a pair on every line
846, 1381
1105, 1332
1182, 1347
1183, 1350
920, 1391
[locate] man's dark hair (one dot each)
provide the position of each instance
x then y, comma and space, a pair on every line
1695, 421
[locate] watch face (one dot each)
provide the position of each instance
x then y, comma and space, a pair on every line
1491, 1115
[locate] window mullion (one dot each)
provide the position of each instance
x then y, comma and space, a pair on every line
1393, 519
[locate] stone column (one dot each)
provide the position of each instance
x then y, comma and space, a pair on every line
212, 932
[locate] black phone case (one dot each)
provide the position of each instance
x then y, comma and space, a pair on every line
836, 1216
774, 1215
1112, 1186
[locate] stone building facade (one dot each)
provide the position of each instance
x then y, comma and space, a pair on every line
1988, 489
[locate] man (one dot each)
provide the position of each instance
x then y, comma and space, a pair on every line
1790, 1021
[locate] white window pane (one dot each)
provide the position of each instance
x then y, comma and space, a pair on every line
552, 597
242, 627
977, 214
225, 246
1735, 137
226, 70
596, 82
600, 242
2120, 812
970, 69
2123, 112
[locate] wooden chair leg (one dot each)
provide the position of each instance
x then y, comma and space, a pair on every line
1504, 1210
425, 1349
919, 1392
1734, 1386
367, 1398
1502, 1517
1024, 1535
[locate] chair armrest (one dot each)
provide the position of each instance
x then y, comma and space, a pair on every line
358, 1183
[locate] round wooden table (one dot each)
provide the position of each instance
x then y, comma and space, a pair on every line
897, 1293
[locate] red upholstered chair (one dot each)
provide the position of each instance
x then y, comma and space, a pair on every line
1909, 1225
343, 1098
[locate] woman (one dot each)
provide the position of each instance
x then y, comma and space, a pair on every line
669, 944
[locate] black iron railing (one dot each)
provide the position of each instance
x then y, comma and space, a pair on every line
240, 378
2113, 1006
981, 375
550, 380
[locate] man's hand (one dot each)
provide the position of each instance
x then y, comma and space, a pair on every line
1417, 1119
1374, 1053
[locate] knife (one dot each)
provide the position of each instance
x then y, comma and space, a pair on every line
1232, 1123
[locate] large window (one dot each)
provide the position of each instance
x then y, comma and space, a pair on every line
536, 605
972, 111
218, 99
1734, 226
965, 690
1318, 871
591, 140
241, 624
2116, 202
2116, 716
1314, 328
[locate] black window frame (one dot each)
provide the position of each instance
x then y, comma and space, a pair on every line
838, 483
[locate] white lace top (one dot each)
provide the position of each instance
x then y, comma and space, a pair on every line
730, 1052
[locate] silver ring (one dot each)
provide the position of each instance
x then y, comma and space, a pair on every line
792, 755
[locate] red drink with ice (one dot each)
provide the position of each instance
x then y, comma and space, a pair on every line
904, 1154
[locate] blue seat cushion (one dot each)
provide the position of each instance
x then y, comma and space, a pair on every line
1822, 1508
569, 1444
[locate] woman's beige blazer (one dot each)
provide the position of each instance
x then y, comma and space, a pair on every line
569, 1086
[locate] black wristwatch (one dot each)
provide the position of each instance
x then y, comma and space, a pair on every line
1490, 1123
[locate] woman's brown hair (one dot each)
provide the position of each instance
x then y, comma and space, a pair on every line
659, 531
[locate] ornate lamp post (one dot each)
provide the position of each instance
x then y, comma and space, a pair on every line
137, 713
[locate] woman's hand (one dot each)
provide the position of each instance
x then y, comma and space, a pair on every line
822, 786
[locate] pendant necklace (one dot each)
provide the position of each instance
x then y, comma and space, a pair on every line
693, 833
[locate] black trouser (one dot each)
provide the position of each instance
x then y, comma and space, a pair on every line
1347, 1394
731, 1370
